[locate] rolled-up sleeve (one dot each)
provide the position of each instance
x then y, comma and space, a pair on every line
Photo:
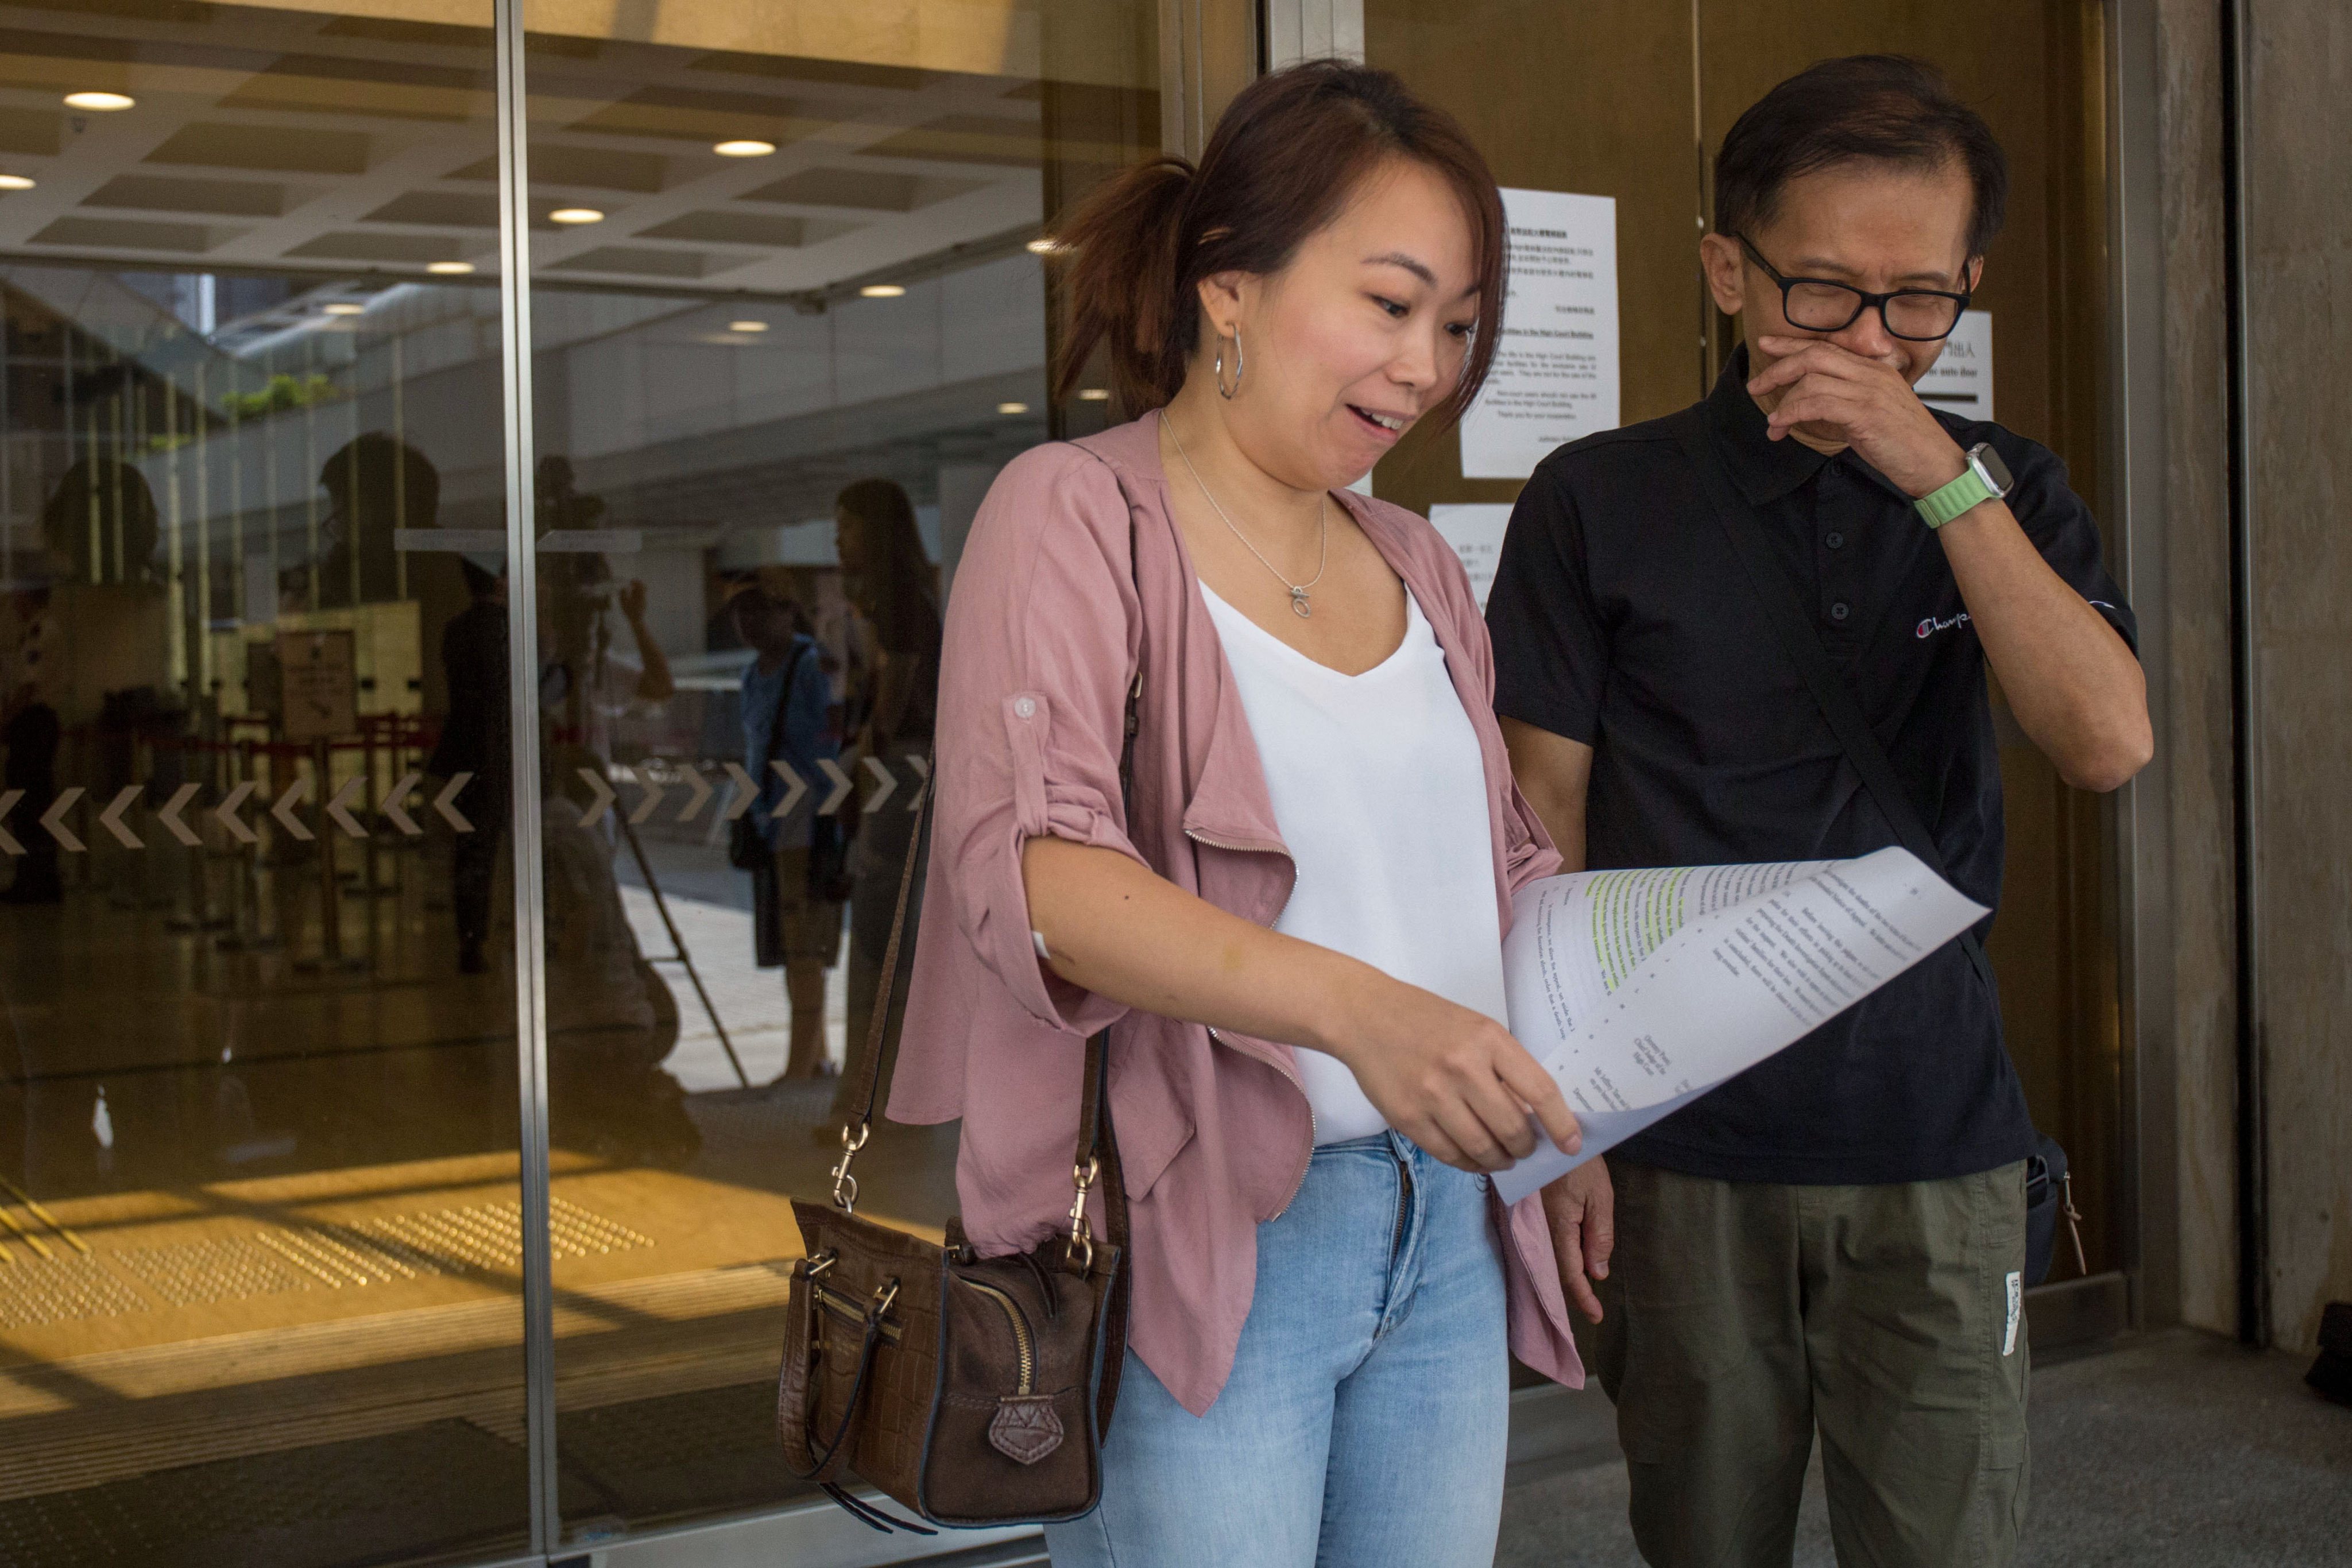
1041, 640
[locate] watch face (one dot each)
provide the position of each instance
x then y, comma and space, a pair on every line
1994, 469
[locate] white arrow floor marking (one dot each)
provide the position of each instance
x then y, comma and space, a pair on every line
922, 771
170, 815
747, 789
225, 814
9, 844
646, 807
296, 793
111, 818
54, 819
795, 788
889, 782
701, 788
841, 783
446, 803
339, 808
391, 805
594, 811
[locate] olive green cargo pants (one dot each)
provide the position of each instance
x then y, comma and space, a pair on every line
1740, 1316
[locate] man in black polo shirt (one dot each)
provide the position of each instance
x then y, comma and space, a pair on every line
1834, 1238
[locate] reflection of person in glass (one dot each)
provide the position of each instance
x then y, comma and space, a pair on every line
88, 648
891, 586
785, 700
474, 739
100, 523
29, 732
611, 1019
374, 485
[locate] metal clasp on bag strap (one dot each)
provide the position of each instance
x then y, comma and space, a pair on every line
844, 1186
1082, 1244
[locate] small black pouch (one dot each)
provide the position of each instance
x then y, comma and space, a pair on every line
2049, 1198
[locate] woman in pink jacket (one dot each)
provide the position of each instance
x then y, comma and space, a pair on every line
1296, 928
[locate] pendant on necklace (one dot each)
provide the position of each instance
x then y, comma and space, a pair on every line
1298, 605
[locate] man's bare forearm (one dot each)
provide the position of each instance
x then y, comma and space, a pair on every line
2074, 685
1116, 929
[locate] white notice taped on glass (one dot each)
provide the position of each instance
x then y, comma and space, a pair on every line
1555, 375
1641, 990
1960, 381
1474, 529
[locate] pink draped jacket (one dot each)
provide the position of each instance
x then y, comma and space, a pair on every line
1045, 632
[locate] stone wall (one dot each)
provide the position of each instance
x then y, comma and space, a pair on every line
2193, 721
2299, 407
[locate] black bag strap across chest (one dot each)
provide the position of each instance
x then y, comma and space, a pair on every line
1793, 630
1096, 1152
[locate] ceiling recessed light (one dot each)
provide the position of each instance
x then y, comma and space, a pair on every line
1044, 245
747, 147
1094, 394
1013, 408
747, 326
883, 291
449, 268
344, 307
576, 215
103, 102
14, 183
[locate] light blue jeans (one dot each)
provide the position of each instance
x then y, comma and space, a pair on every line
1365, 1422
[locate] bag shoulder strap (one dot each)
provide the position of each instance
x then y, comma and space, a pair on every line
1803, 644
1097, 1144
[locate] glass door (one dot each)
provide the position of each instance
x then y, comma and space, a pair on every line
259, 1224
789, 317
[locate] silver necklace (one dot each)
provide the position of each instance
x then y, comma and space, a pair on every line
1298, 605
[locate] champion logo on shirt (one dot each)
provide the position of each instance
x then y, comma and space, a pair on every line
1933, 624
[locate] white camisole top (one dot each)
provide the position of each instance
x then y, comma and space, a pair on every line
1380, 794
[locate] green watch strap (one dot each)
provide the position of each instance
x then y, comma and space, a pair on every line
1940, 507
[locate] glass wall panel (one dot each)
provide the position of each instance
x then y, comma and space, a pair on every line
258, 1227
790, 320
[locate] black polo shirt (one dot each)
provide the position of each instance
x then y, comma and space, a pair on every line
1622, 620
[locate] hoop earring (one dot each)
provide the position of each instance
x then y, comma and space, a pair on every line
1218, 370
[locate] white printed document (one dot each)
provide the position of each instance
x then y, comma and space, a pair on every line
1556, 361
1641, 990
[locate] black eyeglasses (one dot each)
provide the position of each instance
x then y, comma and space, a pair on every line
1816, 305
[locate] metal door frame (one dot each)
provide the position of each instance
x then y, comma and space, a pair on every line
2134, 441
1209, 50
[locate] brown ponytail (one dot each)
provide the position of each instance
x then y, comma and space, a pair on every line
1286, 154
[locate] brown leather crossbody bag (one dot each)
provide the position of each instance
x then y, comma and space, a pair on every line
973, 1391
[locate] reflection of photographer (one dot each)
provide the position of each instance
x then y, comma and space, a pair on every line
795, 862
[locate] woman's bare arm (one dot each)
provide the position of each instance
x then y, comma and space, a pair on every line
1451, 1079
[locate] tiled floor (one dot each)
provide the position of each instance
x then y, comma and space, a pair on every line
2179, 1450
284, 1250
